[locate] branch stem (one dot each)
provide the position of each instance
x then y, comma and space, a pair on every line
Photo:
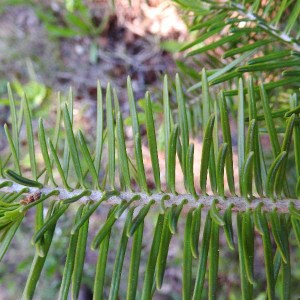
266, 27
238, 203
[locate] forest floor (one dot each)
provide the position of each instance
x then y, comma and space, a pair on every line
130, 42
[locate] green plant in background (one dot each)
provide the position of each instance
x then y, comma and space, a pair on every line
78, 23
263, 199
36, 92
73, 20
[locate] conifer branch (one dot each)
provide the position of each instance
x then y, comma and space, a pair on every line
237, 204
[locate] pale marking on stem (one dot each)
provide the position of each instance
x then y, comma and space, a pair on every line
239, 203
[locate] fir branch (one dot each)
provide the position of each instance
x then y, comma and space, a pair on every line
83, 174
237, 204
